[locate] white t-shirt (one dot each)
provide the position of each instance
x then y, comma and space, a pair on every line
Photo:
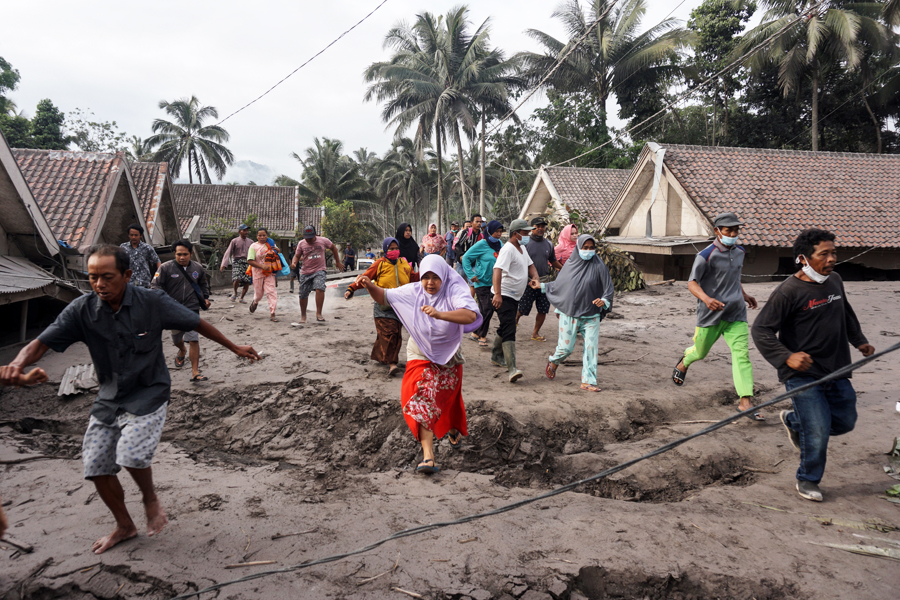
514, 265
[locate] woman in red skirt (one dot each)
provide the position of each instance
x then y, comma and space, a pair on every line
437, 311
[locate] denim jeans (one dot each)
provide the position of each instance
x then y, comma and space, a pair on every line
822, 411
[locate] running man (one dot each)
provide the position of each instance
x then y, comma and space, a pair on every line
122, 326
142, 257
540, 249
311, 251
722, 309
805, 331
236, 253
188, 284
512, 271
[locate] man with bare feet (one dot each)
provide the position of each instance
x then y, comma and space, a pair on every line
311, 251
122, 327
722, 309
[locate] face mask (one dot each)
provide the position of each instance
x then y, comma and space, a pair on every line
493, 239
729, 241
587, 254
524, 240
393, 254
810, 272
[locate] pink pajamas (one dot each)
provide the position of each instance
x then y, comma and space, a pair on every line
264, 286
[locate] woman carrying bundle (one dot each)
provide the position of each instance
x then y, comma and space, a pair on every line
264, 263
387, 273
436, 312
582, 294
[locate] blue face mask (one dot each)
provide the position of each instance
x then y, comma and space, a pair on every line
729, 241
587, 254
525, 239
493, 239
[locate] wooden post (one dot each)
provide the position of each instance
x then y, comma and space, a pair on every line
23, 326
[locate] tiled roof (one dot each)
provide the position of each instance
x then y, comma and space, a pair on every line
589, 191
149, 183
275, 206
778, 193
311, 215
69, 187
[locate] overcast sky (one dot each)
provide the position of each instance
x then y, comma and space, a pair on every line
119, 59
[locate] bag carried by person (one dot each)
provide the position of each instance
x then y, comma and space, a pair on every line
196, 287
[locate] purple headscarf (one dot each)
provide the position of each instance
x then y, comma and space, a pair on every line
438, 340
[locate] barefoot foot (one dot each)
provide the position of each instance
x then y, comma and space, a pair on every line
156, 517
118, 535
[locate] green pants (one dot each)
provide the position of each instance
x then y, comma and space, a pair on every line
737, 336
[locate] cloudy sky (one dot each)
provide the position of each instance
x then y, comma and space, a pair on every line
119, 59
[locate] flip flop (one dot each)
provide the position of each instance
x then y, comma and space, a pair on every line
455, 440
590, 388
274, 319
199, 377
755, 416
474, 338
179, 361
393, 371
551, 373
483, 343
320, 320
253, 306
427, 469
678, 375
538, 338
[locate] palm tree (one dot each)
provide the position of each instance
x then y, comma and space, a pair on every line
830, 34
404, 182
328, 173
438, 75
187, 137
611, 53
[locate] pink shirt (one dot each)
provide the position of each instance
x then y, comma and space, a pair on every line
313, 254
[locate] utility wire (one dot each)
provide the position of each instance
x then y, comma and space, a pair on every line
336, 40
839, 374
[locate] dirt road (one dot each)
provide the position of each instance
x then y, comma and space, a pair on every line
306, 454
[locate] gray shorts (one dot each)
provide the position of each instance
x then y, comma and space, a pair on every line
313, 281
129, 442
184, 336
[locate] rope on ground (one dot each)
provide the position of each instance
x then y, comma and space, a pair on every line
839, 374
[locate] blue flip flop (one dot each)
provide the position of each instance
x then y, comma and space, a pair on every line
428, 469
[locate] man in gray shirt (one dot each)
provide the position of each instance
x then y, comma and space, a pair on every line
122, 327
722, 308
543, 256
179, 278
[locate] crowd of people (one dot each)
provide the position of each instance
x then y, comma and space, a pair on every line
442, 290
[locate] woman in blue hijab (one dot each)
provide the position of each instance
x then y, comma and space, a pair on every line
582, 294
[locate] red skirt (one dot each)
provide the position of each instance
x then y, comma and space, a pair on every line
431, 396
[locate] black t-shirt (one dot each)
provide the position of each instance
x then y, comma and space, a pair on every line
816, 318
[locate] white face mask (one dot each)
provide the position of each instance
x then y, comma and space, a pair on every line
810, 272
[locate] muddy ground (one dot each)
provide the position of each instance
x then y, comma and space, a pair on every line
305, 455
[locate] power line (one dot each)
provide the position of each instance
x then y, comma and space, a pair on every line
840, 373
703, 84
336, 40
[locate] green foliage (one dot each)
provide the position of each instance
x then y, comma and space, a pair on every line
9, 80
16, 130
47, 127
186, 138
96, 136
341, 225
329, 173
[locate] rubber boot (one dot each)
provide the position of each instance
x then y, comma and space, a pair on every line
497, 355
509, 351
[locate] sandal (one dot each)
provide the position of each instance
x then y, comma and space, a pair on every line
474, 338
253, 306
538, 338
678, 375
483, 343
427, 469
393, 370
590, 388
754, 416
550, 372
273, 318
233, 297
454, 439
199, 377
179, 360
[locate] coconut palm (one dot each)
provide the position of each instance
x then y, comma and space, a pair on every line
404, 182
186, 137
437, 76
612, 52
328, 173
832, 34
